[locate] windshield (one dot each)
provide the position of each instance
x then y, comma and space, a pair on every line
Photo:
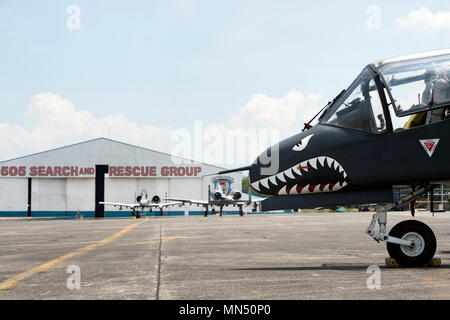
359, 108
419, 84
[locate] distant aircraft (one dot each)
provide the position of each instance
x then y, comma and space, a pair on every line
360, 150
143, 202
219, 198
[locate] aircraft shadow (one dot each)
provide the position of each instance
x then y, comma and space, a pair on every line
328, 267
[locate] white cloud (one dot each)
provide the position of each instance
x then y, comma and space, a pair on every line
425, 21
286, 114
262, 122
51, 122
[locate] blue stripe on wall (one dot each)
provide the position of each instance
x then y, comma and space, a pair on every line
112, 214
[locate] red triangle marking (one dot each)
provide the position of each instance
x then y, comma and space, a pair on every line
429, 145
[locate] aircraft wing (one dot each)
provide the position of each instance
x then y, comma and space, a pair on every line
167, 204
122, 205
189, 201
246, 201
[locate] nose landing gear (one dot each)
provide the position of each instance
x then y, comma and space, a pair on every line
410, 243
422, 248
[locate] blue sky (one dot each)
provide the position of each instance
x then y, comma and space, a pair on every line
169, 63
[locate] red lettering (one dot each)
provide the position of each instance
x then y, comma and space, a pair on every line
189, 171
33, 172
66, 171
112, 171
5, 171
181, 171
22, 171
13, 171
128, 171
49, 172
165, 171
41, 171
57, 171
120, 171
173, 171
145, 171
197, 170
153, 171
136, 171
74, 171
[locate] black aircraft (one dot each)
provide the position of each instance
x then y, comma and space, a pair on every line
389, 129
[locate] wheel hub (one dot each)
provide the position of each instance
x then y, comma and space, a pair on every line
417, 244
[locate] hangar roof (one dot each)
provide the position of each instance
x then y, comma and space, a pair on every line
103, 151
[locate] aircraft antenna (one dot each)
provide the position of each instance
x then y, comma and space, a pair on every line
308, 125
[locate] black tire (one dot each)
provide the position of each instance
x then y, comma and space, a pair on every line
429, 243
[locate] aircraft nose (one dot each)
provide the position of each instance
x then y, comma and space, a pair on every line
310, 174
264, 179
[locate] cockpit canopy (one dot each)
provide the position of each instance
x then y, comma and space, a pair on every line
359, 107
418, 84
410, 84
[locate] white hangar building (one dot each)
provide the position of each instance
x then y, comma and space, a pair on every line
72, 179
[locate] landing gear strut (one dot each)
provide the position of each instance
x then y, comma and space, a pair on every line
411, 243
241, 212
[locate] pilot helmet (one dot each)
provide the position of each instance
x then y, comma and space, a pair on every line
430, 74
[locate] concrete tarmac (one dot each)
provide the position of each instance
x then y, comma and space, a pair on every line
282, 256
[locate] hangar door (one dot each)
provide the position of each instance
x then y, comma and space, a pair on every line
49, 195
13, 194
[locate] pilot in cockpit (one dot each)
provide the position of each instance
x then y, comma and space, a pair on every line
437, 90
440, 91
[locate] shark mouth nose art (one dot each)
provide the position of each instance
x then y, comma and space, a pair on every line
321, 174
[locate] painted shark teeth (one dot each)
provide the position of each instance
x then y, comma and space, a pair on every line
273, 180
322, 160
283, 191
264, 183
280, 180
289, 173
255, 186
313, 163
281, 177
